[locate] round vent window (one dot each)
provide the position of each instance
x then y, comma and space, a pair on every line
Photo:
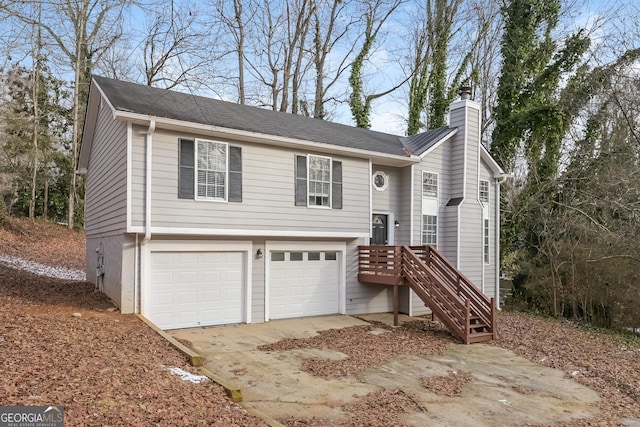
380, 181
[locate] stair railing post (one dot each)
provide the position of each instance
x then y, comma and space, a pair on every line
494, 325
467, 332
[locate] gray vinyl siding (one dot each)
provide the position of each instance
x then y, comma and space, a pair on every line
457, 152
389, 201
106, 179
490, 279
449, 233
473, 157
437, 161
257, 282
403, 232
416, 215
268, 193
364, 297
470, 260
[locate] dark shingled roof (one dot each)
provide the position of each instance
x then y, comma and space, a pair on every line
162, 103
418, 144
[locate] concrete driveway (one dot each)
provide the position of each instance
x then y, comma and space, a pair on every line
505, 389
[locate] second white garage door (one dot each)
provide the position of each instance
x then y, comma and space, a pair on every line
303, 283
191, 289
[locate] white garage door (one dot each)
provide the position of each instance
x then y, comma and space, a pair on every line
190, 289
303, 283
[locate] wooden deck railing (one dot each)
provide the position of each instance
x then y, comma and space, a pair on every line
380, 264
460, 305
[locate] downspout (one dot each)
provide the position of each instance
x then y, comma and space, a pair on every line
147, 204
370, 201
136, 275
412, 206
147, 208
499, 180
411, 222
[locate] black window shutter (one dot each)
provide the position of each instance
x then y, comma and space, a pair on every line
186, 169
235, 174
336, 185
301, 181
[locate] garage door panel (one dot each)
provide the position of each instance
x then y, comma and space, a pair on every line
305, 287
191, 289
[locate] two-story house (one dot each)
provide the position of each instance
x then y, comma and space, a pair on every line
204, 212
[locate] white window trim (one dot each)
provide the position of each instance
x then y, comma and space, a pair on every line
437, 185
386, 180
484, 202
309, 156
422, 230
195, 174
486, 240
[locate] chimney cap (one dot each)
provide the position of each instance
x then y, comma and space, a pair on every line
465, 92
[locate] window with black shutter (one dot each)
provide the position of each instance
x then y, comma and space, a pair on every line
214, 167
186, 171
235, 174
318, 182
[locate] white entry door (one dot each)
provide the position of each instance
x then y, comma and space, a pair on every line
189, 289
303, 283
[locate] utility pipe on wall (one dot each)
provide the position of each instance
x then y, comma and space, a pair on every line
147, 204
147, 213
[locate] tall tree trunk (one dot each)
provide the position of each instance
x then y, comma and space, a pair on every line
45, 201
35, 94
75, 136
237, 5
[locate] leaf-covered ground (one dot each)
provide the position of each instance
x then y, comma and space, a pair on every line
60, 343
605, 362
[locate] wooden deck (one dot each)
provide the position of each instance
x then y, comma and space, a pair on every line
460, 305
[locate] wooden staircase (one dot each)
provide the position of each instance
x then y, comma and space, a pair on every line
466, 312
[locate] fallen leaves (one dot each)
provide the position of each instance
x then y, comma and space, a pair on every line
450, 385
62, 343
366, 346
603, 361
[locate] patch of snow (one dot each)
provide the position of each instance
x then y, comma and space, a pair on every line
43, 270
188, 376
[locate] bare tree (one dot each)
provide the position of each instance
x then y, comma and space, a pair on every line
298, 16
173, 46
278, 59
234, 22
35, 95
485, 61
329, 29
375, 15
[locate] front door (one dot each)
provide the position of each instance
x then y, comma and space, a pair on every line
379, 229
